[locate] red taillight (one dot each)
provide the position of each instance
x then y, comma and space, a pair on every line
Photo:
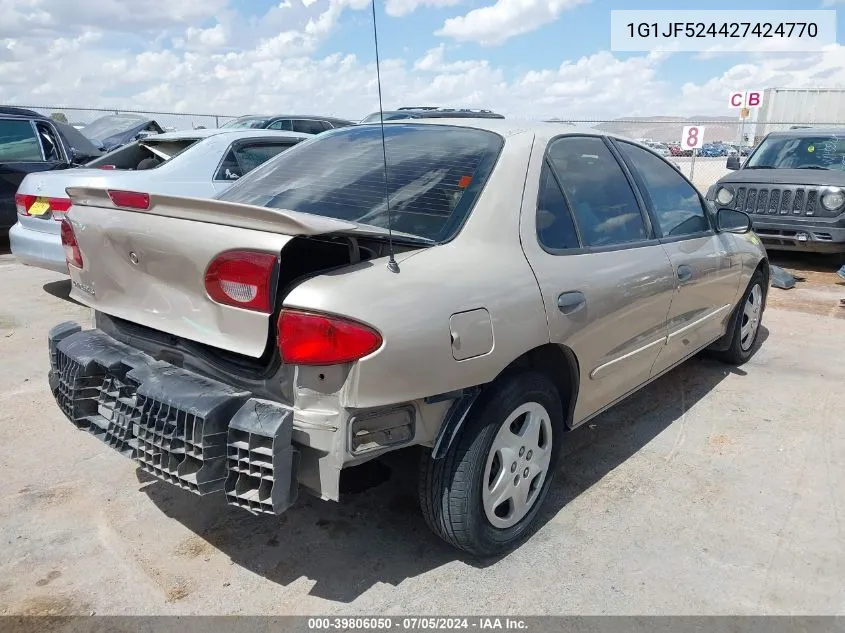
23, 202
59, 204
130, 199
108, 167
69, 243
243, 279
318, 339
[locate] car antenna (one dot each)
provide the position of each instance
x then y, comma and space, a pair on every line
392, 266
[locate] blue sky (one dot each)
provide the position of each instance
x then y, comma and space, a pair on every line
234, 56
580, 31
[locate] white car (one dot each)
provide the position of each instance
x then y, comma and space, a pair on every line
195, 163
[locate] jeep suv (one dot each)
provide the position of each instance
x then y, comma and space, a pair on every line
793, 187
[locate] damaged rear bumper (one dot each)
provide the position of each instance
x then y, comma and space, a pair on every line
181, 427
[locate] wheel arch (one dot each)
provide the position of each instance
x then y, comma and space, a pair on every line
557, 362
764, 267
724, 342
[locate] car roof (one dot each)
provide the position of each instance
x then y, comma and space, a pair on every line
302, 117
21, 112
23, 117
509, 127
810, 131
232, 133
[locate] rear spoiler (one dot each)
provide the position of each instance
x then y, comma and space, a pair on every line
245, 216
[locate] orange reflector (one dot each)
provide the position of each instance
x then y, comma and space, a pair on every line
463, 183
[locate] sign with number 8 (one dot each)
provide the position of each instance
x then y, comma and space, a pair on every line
692, 137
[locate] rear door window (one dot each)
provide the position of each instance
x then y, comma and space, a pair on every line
49, 142
555, 228
434, 176
18, 142
243, 158
309, 126
282, 124
602, 200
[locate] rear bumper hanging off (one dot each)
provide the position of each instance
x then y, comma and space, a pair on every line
181, 427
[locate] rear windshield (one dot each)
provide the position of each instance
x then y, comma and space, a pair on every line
435, 174
110, 125
800, 152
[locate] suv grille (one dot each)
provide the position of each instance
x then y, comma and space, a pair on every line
780, 200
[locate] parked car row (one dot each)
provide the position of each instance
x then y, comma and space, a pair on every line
32, 143
296, 324
197, 163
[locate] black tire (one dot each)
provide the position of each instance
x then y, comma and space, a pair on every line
450, 488
736, 353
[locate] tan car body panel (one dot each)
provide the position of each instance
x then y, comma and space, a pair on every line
412, 309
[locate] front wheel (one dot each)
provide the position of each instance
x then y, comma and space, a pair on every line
485, 494
747, 324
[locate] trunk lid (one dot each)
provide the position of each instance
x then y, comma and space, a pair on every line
47, 186
148, 266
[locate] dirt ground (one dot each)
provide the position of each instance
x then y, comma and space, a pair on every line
712, 491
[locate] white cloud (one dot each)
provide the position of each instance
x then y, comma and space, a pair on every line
213, 37
231, 65
49, 16
398, 8
817, 70
494, 24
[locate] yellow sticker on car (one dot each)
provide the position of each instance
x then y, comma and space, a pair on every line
811, 148
39, 207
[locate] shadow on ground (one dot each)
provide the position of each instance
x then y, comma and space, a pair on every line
807, 262
61, 290
5, 249
379, 536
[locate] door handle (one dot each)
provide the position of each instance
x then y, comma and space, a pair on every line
684, 273
569, 302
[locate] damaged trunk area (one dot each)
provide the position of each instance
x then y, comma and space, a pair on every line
143, 155
301, 258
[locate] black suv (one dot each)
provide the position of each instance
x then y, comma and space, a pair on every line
430, 112
31, 142
307, 124
793, 187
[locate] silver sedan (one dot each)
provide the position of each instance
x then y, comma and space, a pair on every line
195, 163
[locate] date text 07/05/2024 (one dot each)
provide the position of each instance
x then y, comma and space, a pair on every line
411, 623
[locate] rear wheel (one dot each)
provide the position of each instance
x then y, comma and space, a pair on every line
485, 494
747, 325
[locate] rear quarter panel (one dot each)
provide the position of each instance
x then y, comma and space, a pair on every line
483, 267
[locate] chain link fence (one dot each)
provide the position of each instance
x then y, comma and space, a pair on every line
721, 135
167, 120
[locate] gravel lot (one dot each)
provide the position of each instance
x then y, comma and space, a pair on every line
713, 491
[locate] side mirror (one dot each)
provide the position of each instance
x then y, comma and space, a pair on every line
733, 163
732, 221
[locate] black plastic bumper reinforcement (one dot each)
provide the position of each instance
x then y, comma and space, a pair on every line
183, 428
